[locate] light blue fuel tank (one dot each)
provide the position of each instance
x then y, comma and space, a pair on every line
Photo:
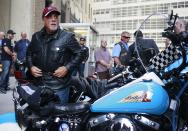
137, 97
176, 64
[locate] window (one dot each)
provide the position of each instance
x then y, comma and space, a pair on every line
186, 4
174, 5
97, 12
107, 11
181, 5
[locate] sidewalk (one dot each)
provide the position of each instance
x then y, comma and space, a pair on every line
6, 101
7, 116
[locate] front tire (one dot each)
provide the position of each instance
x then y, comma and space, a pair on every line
19, 117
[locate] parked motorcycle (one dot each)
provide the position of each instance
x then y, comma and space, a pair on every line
149, 103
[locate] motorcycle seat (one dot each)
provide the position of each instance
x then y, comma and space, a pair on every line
71, 108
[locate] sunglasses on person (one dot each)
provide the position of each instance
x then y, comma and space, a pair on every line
126, 37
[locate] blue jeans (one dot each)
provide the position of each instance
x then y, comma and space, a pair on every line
5, 74
63, 95
80, 70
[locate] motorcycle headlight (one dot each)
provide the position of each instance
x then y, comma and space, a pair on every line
122, 124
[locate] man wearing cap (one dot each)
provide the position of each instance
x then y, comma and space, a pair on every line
81, 67
147, 48
53, 54
7, 57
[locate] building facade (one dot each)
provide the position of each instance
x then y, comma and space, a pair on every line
26, 15
76, 11
111, 17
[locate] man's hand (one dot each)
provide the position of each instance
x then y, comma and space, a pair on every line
102, 62
109, 66
36, 72
61, 71
117, 61
14, 56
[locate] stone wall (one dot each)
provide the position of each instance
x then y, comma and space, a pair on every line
37, 7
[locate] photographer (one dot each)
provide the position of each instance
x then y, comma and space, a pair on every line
180, 26
179, 34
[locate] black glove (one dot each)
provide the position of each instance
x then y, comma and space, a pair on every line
45, 92
47, 96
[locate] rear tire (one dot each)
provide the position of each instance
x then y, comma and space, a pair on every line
19, 116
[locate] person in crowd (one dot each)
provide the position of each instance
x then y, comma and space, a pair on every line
7, 56
103, 61
21, 47
81, 67
53, 54
120, 51
147, 48
2, 36
180, 26
180, 29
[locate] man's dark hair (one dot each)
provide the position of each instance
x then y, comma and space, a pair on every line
138, 33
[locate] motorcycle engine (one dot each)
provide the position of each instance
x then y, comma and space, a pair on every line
111, 122
119, 122
122, 124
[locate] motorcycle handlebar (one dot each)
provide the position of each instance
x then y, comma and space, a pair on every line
112, 85
117, 76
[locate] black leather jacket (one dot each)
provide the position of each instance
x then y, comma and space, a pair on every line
48, 52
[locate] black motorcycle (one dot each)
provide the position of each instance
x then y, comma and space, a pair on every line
153, 102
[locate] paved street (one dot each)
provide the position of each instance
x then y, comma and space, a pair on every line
7, 116
6, 103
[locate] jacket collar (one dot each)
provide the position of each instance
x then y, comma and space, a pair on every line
51, 36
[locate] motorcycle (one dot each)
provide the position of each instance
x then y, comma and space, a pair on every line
152, 102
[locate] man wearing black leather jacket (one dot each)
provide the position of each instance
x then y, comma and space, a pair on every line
53, 54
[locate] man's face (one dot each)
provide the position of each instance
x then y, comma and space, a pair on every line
82, 42
103, 44
11, 36
51, 22
23, 35
177, 28
180, 26
125, 37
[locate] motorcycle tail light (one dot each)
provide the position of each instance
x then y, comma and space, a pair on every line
18, 75
21, 77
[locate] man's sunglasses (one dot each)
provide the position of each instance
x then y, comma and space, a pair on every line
126, 37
